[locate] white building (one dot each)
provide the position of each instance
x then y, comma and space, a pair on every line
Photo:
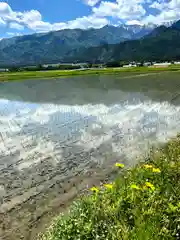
4, 70
164, 64
129, 65
147, 64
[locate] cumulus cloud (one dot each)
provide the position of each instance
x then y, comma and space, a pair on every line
87, 22
82, 23
168, 11
33, 20
13, 34
123, 9
91, 2
131, 12
2, 23
136, 11
106, 9
158, 5
133, 22
5, 9
17, 26
17, 19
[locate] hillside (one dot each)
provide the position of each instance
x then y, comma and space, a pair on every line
53, 47
93, 45
161, 44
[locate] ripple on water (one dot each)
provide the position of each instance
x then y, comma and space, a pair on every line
42, 146
49, 129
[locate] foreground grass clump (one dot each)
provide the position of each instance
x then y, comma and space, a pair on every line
142, 203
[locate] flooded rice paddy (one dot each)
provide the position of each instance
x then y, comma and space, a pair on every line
58, 137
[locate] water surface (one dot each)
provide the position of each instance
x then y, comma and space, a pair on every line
56, 134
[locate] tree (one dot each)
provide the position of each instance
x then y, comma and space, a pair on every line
39, 67
113, 64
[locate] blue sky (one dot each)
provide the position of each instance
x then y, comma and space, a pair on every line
18, 17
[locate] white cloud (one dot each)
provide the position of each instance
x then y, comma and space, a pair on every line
8, 16
17, 26
61, 25
106, 9
169, 11
87, 22
31, 16
33, 20
174, 4
133, 22
91, 3
135, 11
83, 23
163, 17
157, 5
131, 12
40, 26
5, 9
122, 9
12, 34
2, 22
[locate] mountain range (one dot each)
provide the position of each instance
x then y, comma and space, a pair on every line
54, 47
110, 43
161, 44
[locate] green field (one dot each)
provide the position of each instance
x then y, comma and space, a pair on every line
64, 73
143, 203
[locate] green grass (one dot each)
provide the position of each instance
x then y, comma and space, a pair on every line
65, 73
143, 203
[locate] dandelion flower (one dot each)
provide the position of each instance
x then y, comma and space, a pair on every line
94, 189
150, 185
134, 186
147, 166
120, 165
156, 170
108, 186
144, 188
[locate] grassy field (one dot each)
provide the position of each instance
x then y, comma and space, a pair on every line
143, 203
64, 73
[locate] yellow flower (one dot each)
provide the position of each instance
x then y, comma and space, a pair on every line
147, 166
109, 186
144, 187
134, 186
120, 165
113, 206
156, 170
94, 189
150, 185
